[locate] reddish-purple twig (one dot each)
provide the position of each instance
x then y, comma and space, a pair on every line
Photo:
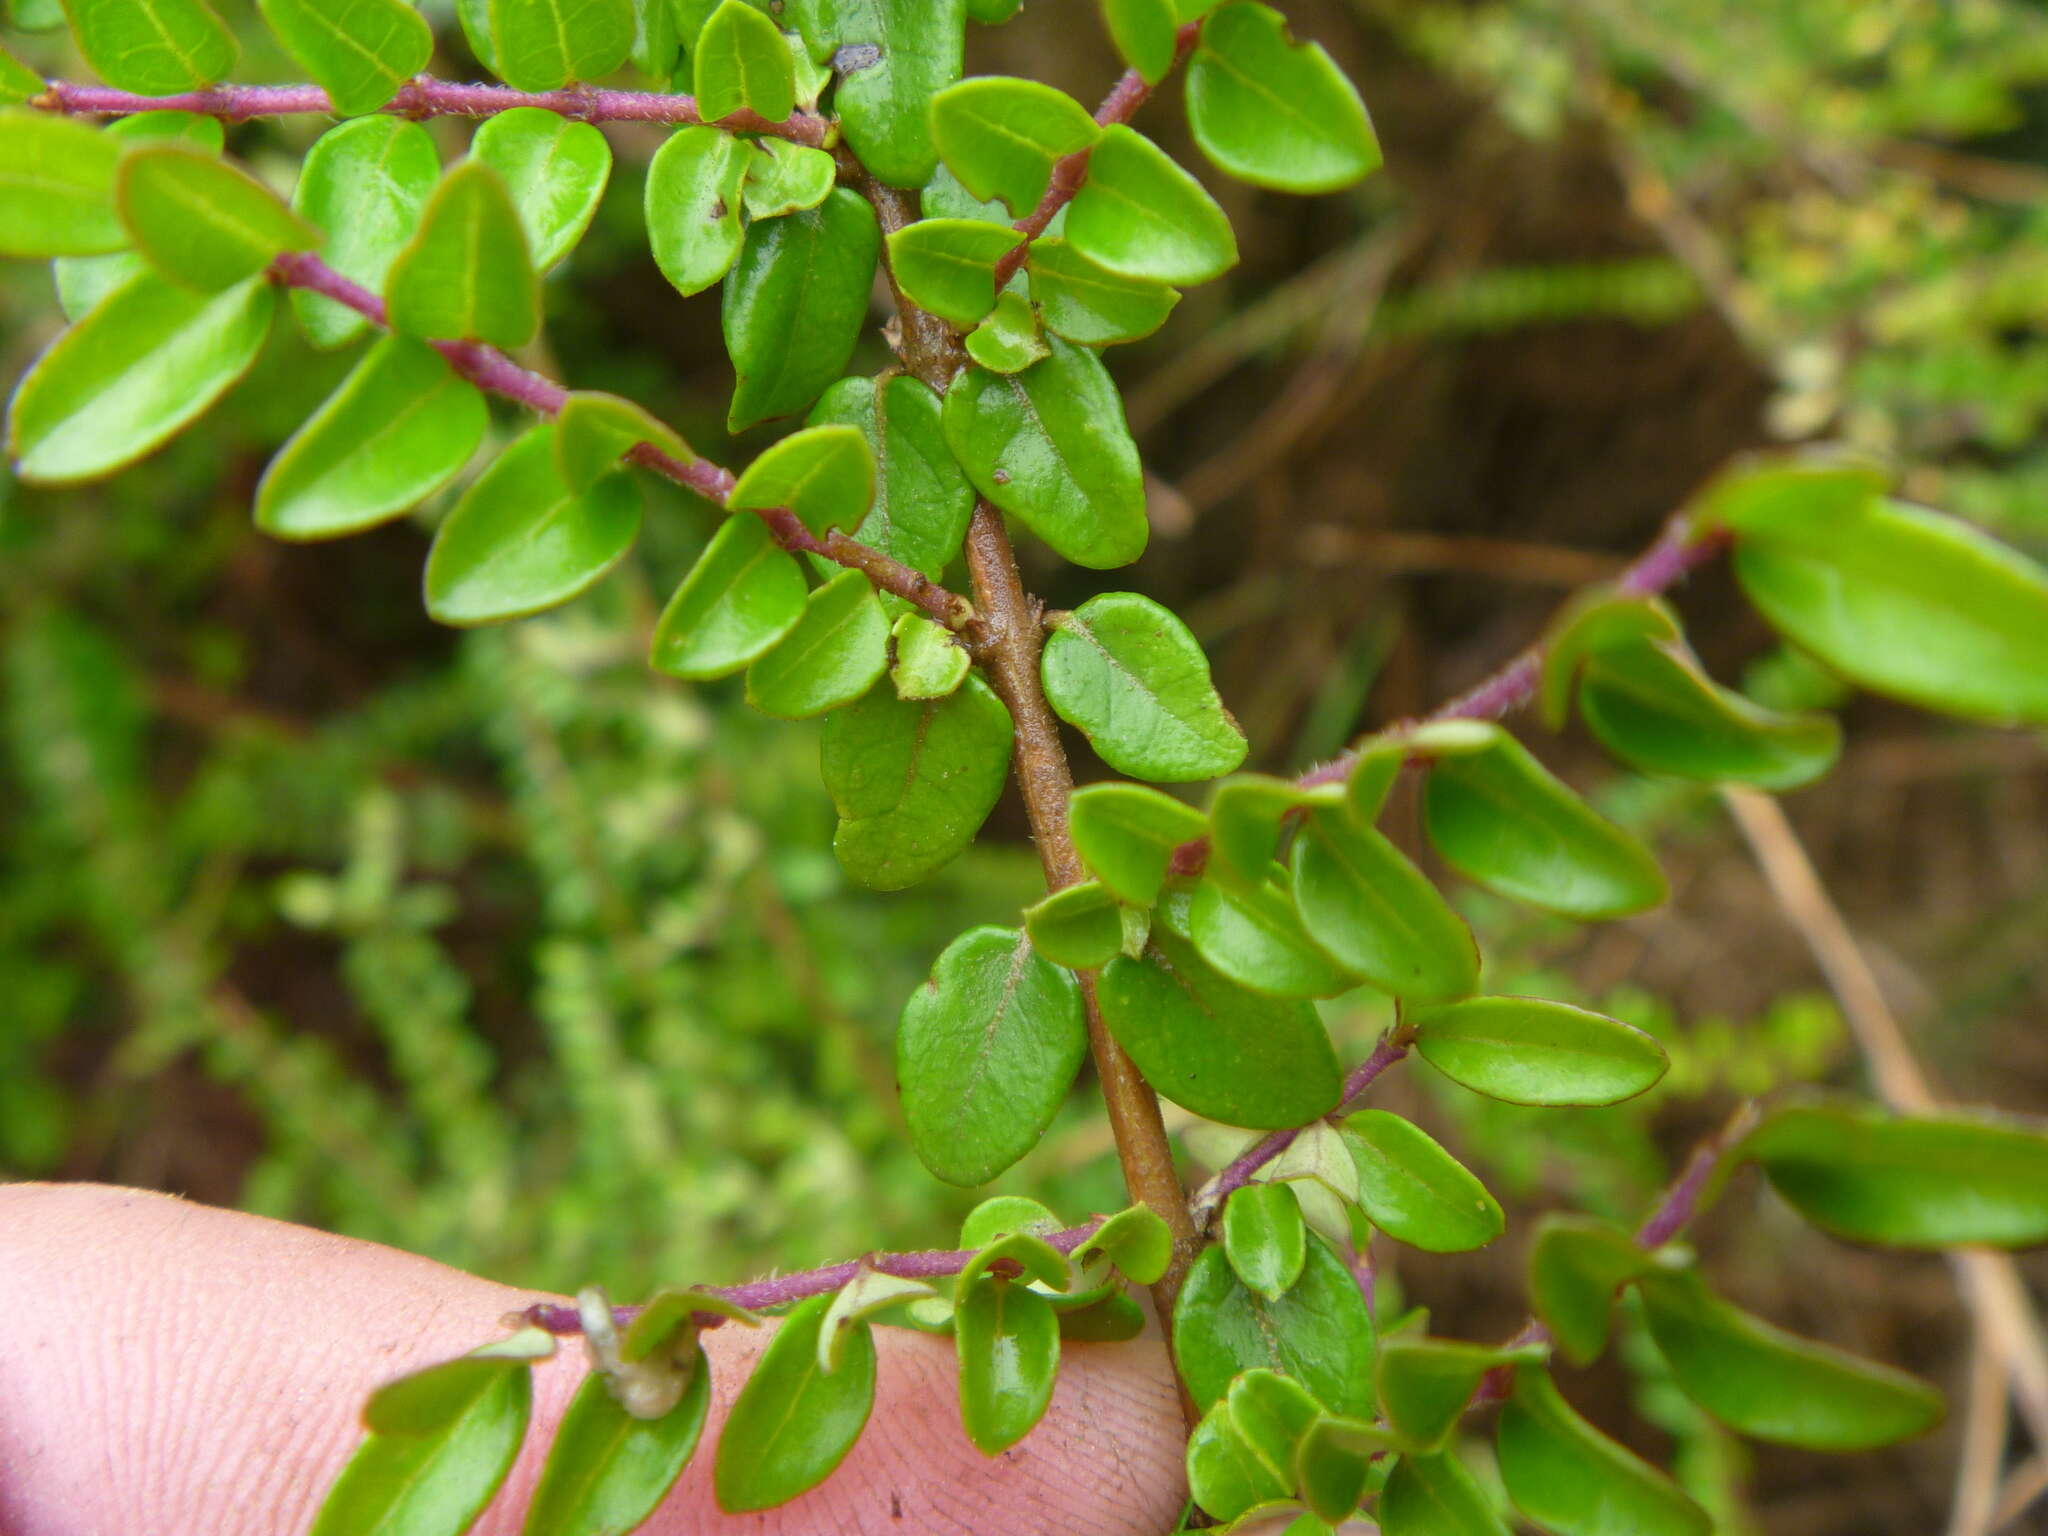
425, 97
780, 1290
488, 368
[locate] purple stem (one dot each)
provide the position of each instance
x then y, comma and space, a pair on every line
426, 97
780, 1290
1235, 1175
488, 368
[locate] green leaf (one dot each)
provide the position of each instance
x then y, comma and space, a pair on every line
825, 475
465, 275
359, 51
1435, 1496
1255, 937
985, 1054
542, 45
1502, 819
56, 186
1132, 678
1319, 1333
1214, 1048
1652, 707
1008, 1341
153, 47
743, 65
869, 1292
1264, 1238
398, 429
1004, 1216
669, 1309
1009, 340
793, 305
555, 170
1226, 1475
1049, 445
17, 81
948, 265
1568, 1477
1078, 927
607, 1470
1002, 136
654, 39
1116, 1319
1143, 31
82, 281
434, 1471
1320, 1156
149, 359
1596, 620
792, 1422
913, 782
1126, 834
693, 206
928, 663
1037, 1258
1529, 1050
1931, 1181
899, 53
1246, 813
1274, 113
743, 595
1333, 1464
203, 222
1771, 1385
365, 183
835, 653
1136, 1240
1140, 214
594, 430
1415, 1191
1576, 1265
1377, 914
785, 178
1088, 304
521, 541
1426, 1384
1903, 601
922, 499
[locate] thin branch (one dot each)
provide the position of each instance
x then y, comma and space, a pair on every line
488, 368
1119, 106
425, 96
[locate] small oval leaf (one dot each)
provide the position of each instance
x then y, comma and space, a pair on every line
793, 1423
1529, 1050
1377, 914
1564, 1474
1414, 1190
1319, 1333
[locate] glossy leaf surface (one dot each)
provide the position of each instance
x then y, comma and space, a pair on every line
922, 498
1264, 1238
541, 45
521, 540
907, 51
1132, 678
1010, 339
56, 186
1246, 814
1425, 1384
203, 222
1078, 926
1568, 1477
793, 1422
466, 274
743, 594
824, 474
742, 63
1502, 819
1008, 1341
1256, 938
359, 51
1596, 620
692, 206
153, 47
1319, 1332
1136, 1240
1143, 31
1126, 834
1050, 446
1333, 1465
948, 265
913, 781
794, 303
985, 1053
150, 358
554, 168
1226, 1476
1576, 1265
1088, 304
396, 431
928, 663
1214, 1048
1001, 136
1529, 1050
1771, 1385
1272, 112
1414, 1190
1363, 901
1921, 1182
1140, 214
835, 652
607, 1470
784, 178
594, 430
365, 184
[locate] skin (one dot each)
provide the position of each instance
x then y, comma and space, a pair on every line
166, 1366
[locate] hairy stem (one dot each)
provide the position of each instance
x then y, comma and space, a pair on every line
424, 96
490, 369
